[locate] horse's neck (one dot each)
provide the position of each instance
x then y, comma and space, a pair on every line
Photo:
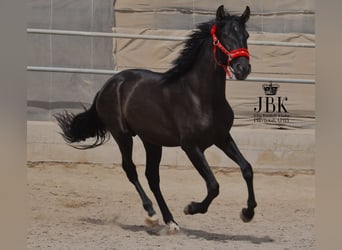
207, 78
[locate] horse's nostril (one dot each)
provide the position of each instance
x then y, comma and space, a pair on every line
239, 67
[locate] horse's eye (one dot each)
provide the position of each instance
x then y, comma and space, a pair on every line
236, 28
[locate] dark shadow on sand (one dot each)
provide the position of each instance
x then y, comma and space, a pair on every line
161, 230
201, 234
198, 234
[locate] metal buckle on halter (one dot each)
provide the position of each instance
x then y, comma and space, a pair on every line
230, 57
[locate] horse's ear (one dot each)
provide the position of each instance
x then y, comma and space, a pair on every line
246, 14
220, 13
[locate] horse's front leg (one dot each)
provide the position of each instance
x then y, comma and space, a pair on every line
197, 158
231, 150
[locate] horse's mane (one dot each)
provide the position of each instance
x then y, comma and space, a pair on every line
189, 54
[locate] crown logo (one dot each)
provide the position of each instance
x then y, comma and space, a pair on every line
270, 89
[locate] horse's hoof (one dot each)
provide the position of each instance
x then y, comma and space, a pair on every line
186, 210
194, 208
152, 221
173, 228
189, 209
246, 216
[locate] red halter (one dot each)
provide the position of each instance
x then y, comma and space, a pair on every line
231, 54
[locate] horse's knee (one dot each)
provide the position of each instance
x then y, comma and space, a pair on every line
247, 172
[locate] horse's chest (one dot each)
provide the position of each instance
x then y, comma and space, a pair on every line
211, 122
217, 116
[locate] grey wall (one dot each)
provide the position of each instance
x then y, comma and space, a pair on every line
48, 93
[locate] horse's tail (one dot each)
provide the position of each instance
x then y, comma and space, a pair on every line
77, 128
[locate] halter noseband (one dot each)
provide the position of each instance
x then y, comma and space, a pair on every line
230, 54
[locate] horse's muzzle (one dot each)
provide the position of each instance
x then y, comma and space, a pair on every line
241, 68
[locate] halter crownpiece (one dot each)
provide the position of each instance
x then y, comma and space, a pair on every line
230, 54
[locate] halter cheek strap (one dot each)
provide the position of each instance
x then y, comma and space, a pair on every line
230, 54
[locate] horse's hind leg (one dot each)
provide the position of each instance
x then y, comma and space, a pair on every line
153, 156
125, 143
231, 149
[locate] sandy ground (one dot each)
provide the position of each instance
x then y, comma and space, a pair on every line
83, 206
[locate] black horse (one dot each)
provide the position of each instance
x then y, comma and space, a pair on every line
185, 106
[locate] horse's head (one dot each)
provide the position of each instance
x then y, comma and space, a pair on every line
231, 33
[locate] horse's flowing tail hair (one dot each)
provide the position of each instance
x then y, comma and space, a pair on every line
77, 128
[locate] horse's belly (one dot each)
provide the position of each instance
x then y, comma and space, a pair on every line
154, 132
151, 123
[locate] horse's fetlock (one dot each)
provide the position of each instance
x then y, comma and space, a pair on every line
214, 189
252, 204
147, 205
